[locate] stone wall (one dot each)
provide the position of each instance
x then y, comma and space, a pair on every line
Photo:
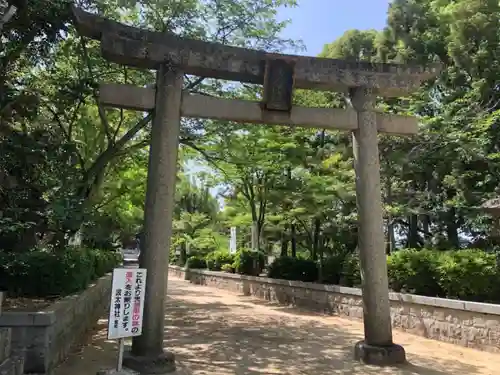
11, 363
470, 324
46, 336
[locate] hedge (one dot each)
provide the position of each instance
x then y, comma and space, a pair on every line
217, 259
249, 262
196, 262
458, 274
45, 273
471, 274
415, 272
289, 268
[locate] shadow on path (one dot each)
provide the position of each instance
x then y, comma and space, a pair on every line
217, 333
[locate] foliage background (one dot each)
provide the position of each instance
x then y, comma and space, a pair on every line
69, 166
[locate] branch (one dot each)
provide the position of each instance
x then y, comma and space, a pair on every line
405, 223
304, 226
122, 117
73, 119
136, 146
65, 132
113, 149
102, 113
209, 158
195, 83
203, 93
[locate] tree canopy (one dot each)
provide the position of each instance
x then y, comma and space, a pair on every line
69, 165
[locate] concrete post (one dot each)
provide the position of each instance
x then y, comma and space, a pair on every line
148, 356
377, 348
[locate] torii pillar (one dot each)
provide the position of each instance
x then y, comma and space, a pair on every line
377, 347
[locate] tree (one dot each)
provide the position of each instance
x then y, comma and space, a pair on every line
50, 75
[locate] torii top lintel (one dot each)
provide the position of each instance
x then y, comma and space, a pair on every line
140, 48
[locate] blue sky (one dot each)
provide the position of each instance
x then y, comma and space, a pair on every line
318, 22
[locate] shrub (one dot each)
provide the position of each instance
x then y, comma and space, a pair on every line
331, 270
173, 258
50, 273
227, 268
248, 262
464, 274
105, 261
289, 268
217, 259
470, 275
196, 262
415, 271
351, 274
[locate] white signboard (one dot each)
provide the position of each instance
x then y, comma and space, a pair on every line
232, 241
127, 303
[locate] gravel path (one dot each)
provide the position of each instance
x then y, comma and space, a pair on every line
213, 332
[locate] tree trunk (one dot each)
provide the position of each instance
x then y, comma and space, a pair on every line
294, 241
316, 235
426, 223
183, 255
284, 242
391, 240
452, 229
413, 237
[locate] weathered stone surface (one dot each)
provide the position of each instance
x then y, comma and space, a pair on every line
124, 371
44, 338
11, 362
202, 106
5, 343
373, 260
162, 170
379, 355
150, 364
278, 85
474, 325
147, 49
12, 366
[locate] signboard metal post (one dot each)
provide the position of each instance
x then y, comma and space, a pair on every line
121, 348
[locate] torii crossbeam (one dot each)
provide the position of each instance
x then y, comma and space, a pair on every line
207, 107
279, 74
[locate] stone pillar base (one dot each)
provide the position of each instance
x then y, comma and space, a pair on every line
379, 355
162, 364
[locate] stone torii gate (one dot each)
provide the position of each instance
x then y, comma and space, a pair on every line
173, 57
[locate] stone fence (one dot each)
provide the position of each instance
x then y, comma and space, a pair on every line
10, 363
470, 324
46, 336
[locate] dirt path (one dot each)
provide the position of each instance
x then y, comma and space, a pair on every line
216, 333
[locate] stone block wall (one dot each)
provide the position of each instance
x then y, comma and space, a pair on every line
11, 363
470, 324
45, 337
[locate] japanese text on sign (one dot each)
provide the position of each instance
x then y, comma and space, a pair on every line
127, 303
